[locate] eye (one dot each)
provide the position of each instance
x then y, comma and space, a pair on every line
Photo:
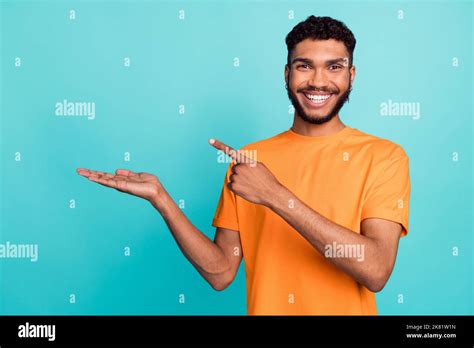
335, 67
303, 65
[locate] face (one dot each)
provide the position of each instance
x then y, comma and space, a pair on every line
319, 79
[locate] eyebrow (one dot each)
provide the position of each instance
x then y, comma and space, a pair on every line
328, 62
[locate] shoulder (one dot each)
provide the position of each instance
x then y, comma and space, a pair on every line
377, 148
270, 143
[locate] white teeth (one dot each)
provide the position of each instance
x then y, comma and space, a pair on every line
318, 98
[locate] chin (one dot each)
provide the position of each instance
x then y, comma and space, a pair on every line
319, 116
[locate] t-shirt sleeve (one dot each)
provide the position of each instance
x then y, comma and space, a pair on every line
226, 212
389, 196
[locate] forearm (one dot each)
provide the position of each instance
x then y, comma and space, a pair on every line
206, 256
322, 233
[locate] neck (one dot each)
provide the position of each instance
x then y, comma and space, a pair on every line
315, 130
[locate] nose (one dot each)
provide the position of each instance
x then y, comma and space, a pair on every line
318, 79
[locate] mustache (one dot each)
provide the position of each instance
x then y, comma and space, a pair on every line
324, 90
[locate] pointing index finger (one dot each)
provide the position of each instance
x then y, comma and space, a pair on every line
237, 156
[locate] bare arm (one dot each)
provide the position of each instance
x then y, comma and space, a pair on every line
378, 240
216, 261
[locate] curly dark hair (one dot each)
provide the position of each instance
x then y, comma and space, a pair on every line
320, 28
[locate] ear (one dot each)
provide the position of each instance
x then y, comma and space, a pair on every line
287, 73
352, 71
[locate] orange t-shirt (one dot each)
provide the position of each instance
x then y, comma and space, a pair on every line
347, 177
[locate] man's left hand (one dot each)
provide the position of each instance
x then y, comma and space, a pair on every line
250, 179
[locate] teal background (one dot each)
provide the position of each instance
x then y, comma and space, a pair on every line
190, 62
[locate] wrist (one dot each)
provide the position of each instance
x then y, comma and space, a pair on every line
278, 198
158, 199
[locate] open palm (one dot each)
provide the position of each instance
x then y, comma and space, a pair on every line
142, 185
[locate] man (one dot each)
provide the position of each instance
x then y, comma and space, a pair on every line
319, 216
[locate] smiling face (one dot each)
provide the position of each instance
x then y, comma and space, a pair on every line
319, 79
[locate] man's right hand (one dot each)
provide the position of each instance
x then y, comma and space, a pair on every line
142, 185
217, 261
